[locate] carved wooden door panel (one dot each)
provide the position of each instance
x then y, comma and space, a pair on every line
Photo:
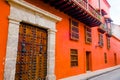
32, 53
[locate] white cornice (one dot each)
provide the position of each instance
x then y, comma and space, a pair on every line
34, 8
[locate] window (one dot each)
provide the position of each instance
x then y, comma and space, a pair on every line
108, 42
74, 57
100, 40
74, 30
105, 57
88, 36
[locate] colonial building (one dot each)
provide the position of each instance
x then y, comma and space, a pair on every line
56, 39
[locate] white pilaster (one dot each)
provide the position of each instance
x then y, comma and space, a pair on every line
10, 64
51, 55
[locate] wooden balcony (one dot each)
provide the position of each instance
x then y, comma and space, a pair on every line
102, 28
108, 21
78, 9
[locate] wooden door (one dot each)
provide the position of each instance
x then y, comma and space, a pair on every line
88, 61
115, 58
32, 53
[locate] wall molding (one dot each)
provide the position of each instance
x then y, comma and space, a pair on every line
34, 8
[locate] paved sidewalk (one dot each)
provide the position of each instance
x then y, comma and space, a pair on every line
112, 75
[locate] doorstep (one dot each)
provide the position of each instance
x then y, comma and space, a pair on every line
90, 74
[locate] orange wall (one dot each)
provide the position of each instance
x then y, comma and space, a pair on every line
4, 12
98, 52
116, 48
64, 44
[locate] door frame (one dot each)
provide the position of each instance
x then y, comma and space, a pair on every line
88, 58
22, 11
115, 58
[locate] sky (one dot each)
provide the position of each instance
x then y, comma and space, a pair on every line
115, 11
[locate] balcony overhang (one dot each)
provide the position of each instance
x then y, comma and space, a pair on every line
79, 10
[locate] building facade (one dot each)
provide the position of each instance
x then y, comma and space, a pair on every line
55, 39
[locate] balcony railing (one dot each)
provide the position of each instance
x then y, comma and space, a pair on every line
89, 8
78, 9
